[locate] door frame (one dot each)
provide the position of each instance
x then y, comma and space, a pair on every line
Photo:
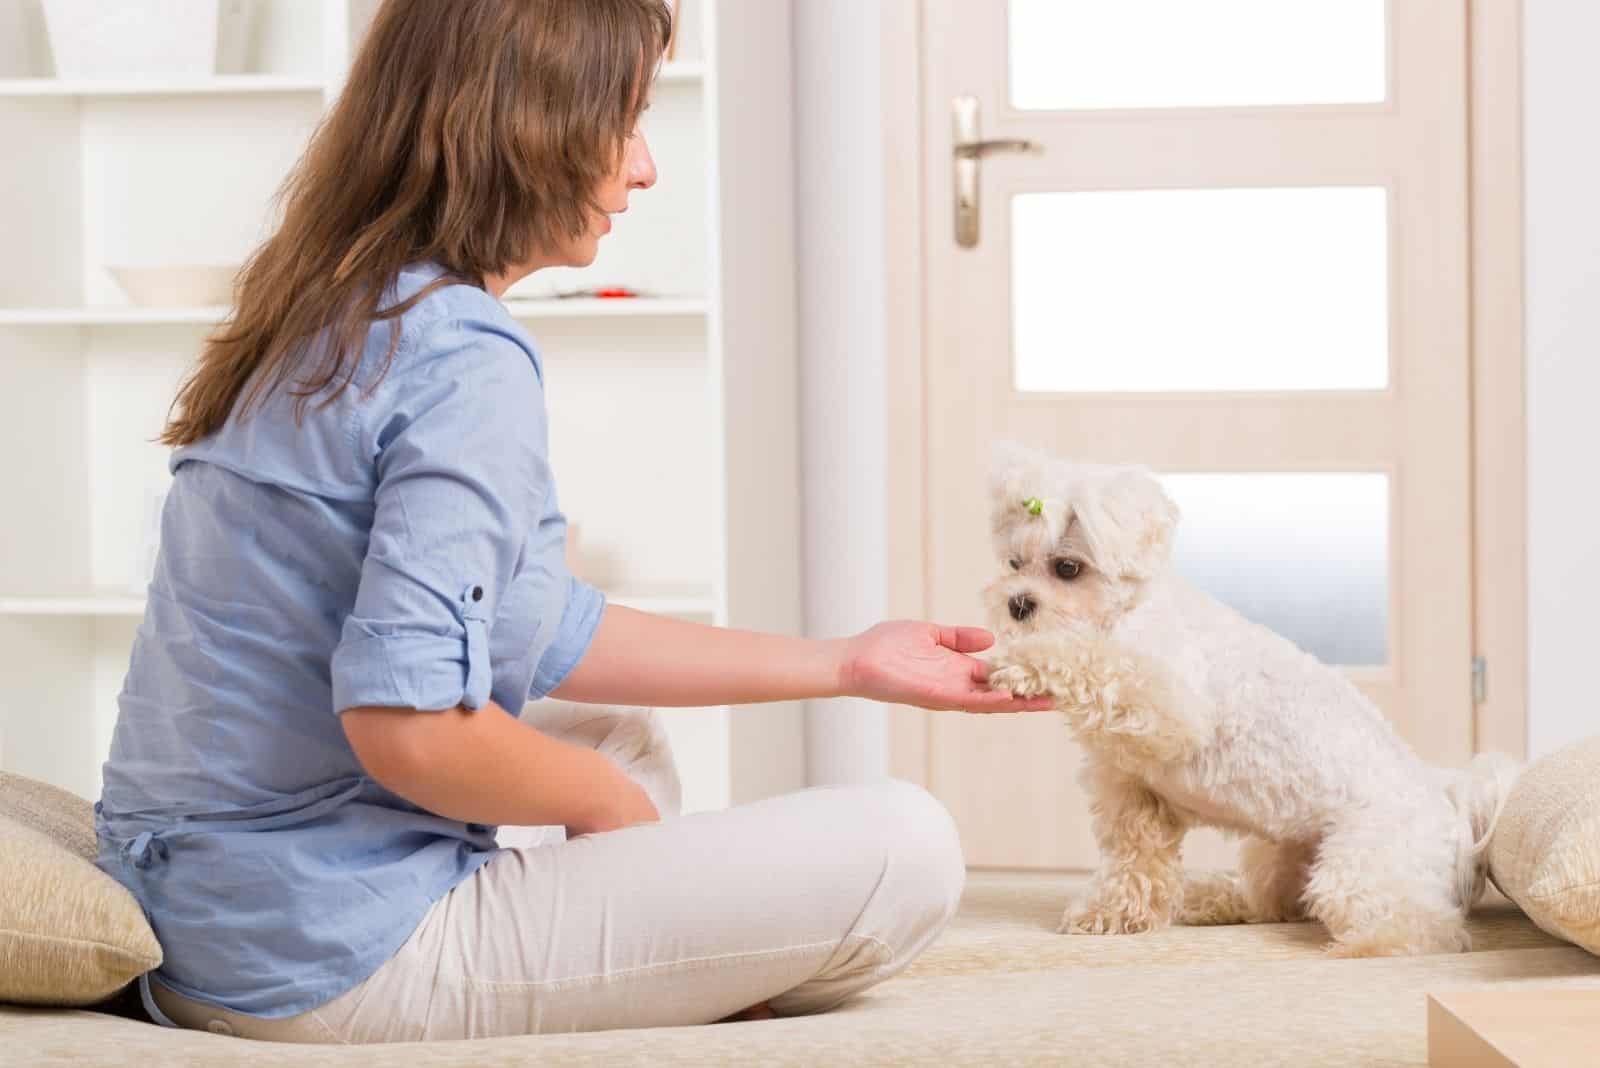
1497, 365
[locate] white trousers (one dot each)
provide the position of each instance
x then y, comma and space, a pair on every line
799, 901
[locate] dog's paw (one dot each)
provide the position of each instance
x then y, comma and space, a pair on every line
1019, 679
1410, 936
1090, 918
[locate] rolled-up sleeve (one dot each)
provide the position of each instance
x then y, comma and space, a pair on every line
580, 620
460, 477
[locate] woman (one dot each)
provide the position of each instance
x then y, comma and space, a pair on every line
361, 585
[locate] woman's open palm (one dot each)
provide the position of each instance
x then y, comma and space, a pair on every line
913, 663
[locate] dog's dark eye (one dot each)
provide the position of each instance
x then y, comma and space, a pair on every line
1016, 565
1067, 570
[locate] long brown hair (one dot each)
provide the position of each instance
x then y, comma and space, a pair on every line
471, 134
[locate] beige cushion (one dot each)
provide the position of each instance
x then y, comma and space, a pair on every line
1546, 850
69, 934
59, 815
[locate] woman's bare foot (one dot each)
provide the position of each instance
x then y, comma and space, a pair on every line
762, 1011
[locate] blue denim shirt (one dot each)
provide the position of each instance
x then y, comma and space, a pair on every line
401, 546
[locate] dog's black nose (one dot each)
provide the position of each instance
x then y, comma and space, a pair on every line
1022, 607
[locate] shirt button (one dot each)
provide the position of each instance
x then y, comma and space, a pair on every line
477, 593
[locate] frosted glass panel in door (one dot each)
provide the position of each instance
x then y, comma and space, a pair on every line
1304, 554
1200, 289
1091, 54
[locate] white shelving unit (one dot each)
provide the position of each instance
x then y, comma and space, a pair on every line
219, 84
673, 423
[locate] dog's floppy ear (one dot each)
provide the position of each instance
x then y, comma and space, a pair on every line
1129, 521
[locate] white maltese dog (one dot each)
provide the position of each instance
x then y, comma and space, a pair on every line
1189, 715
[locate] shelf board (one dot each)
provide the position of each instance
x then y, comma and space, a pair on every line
605, 307
92, 603
572, 308
216, 85
95, 603
109, 316
681, 73
224, 84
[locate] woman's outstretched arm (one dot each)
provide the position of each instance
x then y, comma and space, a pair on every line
488, 767
641, 659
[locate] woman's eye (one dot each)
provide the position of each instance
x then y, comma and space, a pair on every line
1016, 565
1068, 569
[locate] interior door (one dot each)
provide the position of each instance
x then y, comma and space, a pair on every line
1237, 253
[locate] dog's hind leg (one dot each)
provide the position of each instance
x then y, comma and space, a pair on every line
1140, 882
1213, 899
1269, 888
1275, 876
1384, 884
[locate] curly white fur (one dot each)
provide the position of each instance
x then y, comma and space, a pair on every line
1191, 716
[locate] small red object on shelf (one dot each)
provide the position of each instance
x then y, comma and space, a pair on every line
602, 293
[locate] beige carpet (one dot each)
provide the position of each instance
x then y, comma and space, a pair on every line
999, 988
1007, 924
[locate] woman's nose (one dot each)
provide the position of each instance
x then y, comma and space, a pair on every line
641, 165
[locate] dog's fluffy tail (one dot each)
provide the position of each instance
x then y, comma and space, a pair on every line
1479, 795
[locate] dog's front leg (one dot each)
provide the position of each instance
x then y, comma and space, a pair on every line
1140, 882
1111, 695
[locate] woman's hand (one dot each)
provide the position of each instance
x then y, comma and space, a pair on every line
912, 663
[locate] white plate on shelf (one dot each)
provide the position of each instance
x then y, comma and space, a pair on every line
177, 287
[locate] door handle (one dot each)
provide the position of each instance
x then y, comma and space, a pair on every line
980, 149
967, 151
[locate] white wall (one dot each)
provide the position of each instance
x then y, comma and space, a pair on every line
1562, 175
839, 219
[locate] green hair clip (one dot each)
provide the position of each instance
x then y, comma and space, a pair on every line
1034, 505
